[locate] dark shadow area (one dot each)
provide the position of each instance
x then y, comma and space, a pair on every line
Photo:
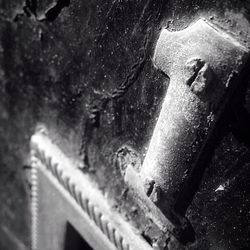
74, 241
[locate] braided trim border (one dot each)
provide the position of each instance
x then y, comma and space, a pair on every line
93, 212
34, 203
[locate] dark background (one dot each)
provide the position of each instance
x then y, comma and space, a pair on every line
84, 70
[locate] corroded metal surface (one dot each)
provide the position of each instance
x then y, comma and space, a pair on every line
204, 65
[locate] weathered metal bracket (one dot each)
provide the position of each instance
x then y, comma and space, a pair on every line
61, 194
204, 64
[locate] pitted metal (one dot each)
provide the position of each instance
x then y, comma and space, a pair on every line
204, 65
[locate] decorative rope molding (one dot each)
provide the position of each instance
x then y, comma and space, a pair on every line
83, 192
34, 203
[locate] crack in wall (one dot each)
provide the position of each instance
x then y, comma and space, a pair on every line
30, 9
151, 13
52, 13
93, 120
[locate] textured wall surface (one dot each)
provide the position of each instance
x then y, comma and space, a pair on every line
84, 70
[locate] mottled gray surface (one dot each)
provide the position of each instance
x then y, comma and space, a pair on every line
84, 69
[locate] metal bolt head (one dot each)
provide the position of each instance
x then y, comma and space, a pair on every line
148, 186
202, 80
156, 194
200, 75
193, 65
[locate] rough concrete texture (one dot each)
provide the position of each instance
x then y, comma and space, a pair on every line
84, 70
